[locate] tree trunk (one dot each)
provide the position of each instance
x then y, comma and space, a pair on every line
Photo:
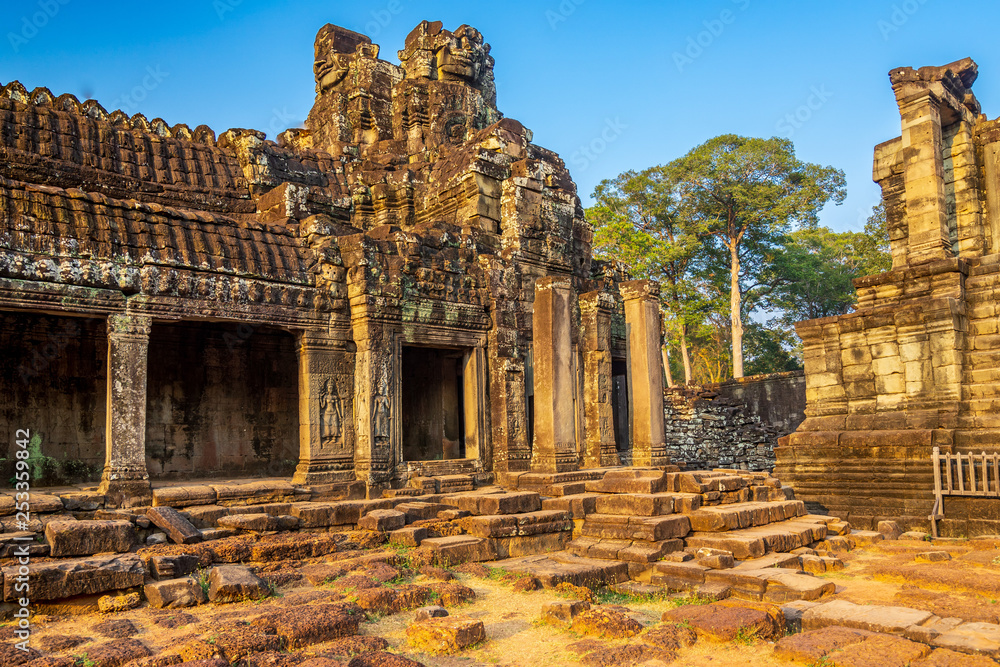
734, 308
666, 365
684, 354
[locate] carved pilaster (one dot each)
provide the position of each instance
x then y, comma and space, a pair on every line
645, 372
595, 314
125, 479
555, 434
326, 409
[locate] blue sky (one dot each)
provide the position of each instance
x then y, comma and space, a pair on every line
611, 86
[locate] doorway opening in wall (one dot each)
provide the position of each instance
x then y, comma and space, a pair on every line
221, 400
435, 392
620, 405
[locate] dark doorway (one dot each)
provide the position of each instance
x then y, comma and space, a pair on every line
433, 404
620, 404
221, 399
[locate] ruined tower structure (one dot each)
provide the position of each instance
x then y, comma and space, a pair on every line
917, 365
400, 293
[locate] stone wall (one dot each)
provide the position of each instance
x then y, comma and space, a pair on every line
53, 380
778, 399
706, 429
914, 367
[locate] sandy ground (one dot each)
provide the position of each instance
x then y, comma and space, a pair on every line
967, 586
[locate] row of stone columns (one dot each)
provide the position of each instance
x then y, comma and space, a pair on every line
326, 409
555, 438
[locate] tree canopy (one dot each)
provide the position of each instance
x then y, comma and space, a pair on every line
730, 230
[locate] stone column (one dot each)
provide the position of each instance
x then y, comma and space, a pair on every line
326, 410
645, 371
595, 315
376, 395
125, 479
926, 213
555, 433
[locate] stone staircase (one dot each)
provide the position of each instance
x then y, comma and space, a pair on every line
720, 532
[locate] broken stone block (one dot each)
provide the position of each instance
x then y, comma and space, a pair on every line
65, 578
171, 566
258, 522
457, 549
723, 621
177, 528
451, 515
433, 611
82, 501
605, 623
86, 538
637, 504
410, 536
382, 521
235, 583
445, 635
563, 611
155, 539
890, 530
978, 638
515, 502
915, 535
812, 646
875, 618
175, 593
205, 516
115, 603
932, 557
716, 559
183, 496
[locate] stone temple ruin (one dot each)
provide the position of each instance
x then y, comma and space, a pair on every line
404, 288
914, 368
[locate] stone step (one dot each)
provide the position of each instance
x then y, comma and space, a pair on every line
510, 525
770, 584
485, 504
519, 480
782, 536
745, 515
559, 567
635, 504
630, 480
647, 529
974, 638
633, 551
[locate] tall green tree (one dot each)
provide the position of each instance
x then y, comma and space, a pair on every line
814, 275
745, 195
637, 220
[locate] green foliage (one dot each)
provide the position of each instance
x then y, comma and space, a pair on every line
202, 576
689, 599
611, 596
825, 661
712, 227
747, 636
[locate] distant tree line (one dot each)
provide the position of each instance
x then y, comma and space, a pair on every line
731, 232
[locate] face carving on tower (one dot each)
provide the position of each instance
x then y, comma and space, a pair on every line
462, 56
336, 51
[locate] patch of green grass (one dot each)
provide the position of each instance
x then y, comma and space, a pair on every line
825, 661
611, 596
83, 661
688, 599
747, 636
203, 580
